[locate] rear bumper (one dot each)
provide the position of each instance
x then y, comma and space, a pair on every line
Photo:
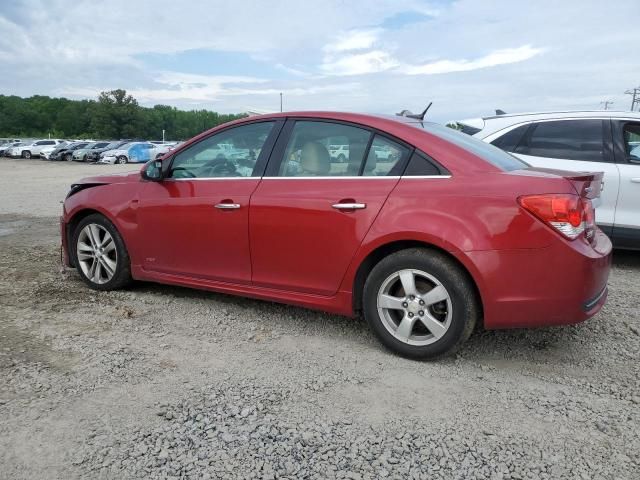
563, 284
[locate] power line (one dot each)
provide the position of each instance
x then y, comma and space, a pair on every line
635, 93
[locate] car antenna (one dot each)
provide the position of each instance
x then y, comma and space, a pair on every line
417, 116
500, 112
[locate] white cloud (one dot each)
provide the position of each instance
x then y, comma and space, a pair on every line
359, 63
313, 52
354, 40
493, 59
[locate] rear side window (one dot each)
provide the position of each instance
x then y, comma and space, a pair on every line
565, 139
510, 140
421, 166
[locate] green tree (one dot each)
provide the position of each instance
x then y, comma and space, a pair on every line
114, 115
117, 115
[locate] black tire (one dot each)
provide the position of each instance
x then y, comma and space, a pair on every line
465, 311
26, 154
68, 157
122, 159
122, 275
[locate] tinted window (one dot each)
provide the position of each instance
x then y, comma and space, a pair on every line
308, 153
419, 165
510, 140
565, 139
230, 153
485, 151
632, 141
384, 158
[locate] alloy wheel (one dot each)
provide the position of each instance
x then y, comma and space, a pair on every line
414, 307
96, 253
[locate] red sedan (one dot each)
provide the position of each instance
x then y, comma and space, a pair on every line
424, 230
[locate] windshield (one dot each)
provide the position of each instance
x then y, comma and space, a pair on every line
496, 157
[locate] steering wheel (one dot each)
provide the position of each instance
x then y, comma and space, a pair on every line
220, 167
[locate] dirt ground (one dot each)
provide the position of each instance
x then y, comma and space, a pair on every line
166, 382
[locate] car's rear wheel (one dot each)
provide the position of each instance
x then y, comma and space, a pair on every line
100, 254
420, 303
121, 159
26, 154
68, 157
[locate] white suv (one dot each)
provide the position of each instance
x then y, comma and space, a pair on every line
33, 149
605, 141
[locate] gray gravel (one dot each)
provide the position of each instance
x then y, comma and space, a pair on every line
165, 382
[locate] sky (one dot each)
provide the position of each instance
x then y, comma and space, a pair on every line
469, 57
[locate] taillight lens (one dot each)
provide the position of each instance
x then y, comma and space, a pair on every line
568, 214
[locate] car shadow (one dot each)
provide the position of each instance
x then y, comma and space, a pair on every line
626, 258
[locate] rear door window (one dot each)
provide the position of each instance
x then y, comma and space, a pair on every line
565, 139
308, 153
385, 158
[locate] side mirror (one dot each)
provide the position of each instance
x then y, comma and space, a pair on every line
152, 171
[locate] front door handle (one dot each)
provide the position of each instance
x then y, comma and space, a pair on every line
349, 206
635, 180
227, 206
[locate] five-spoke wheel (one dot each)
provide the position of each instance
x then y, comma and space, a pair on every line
420, 303
414, 307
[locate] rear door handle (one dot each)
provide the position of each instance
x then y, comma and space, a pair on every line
227, 206
349, 206
635, 180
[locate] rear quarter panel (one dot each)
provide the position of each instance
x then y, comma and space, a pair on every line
460, 215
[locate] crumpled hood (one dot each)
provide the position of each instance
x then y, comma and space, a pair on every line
124, 177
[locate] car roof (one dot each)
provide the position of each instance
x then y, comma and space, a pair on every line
485, 126
569, 113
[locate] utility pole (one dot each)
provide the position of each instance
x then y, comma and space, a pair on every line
606, 104
281, 101
635, 93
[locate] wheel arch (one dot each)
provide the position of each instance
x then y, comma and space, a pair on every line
73, 223
385, 249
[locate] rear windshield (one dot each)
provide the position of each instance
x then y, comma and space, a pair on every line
496, 157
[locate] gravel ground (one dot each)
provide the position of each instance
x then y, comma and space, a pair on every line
166, 382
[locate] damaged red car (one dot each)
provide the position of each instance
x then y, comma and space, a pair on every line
425, 231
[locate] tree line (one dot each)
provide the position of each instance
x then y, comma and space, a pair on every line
114, 115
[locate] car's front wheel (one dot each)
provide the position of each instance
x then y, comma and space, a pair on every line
100, 254
26, 154
121, 159
420, 303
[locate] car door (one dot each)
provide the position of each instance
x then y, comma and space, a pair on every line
626, 230
575, 145
195, 222
311, 212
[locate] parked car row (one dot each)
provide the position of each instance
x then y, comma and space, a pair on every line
115, 151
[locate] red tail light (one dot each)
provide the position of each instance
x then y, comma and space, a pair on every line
568, 214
